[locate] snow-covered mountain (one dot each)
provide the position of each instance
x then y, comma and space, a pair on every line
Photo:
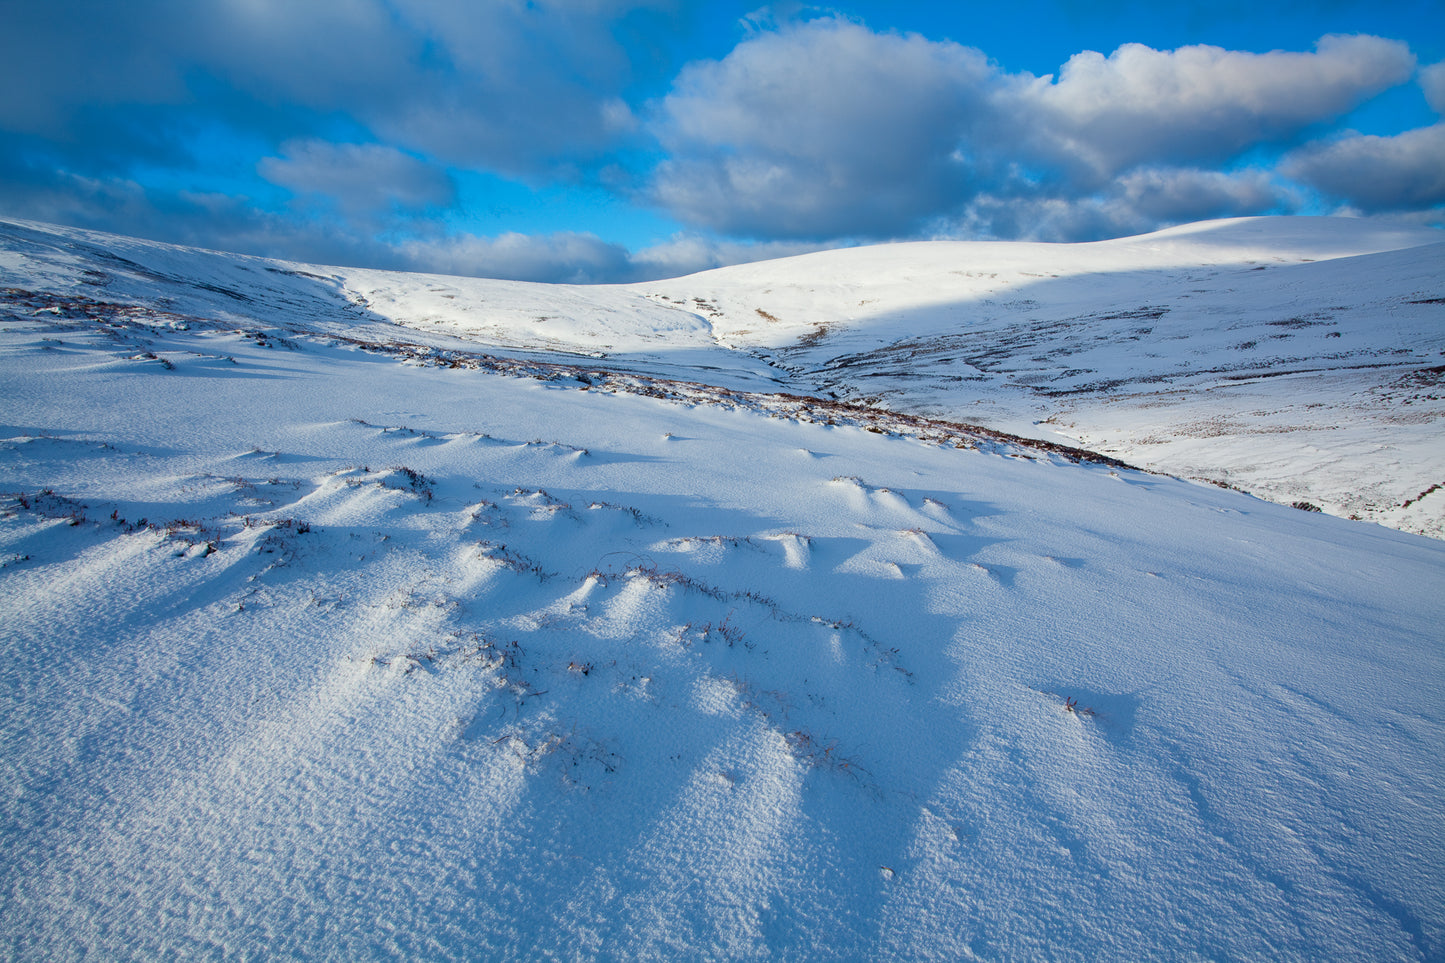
354, 615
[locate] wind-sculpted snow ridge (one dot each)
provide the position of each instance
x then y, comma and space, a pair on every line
802, 408
320, 642
70, 312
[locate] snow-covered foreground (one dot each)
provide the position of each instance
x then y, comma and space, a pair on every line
317, 649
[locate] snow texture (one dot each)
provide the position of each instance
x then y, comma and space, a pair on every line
348, 615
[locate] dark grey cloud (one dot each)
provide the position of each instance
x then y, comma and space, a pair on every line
360, 179
1377, 174
1432, 82
172, 120
1399, 174
233, 223
209, 220
1140, 201
59, 59
1157, 195
524, 83
213, 220
511, 85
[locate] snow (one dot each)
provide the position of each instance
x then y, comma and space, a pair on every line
335, 632
1163, 350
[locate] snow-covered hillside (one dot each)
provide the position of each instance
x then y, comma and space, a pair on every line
330, 638
1300, 359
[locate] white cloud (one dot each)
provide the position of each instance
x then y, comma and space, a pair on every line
1377, 173
808, 131
819, 129
1199, 103
826, 128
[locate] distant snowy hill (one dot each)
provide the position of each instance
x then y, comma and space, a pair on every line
1299, 359
352, 615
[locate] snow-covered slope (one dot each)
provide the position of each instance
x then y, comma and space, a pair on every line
1300, 359
326, 640
576, 323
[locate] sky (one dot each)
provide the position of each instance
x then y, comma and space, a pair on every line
609, 141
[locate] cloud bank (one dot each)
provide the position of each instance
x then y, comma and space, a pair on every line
828, 128
342, 131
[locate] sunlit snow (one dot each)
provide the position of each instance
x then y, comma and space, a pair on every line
355, 615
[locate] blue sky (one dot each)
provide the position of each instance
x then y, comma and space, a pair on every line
605, 140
